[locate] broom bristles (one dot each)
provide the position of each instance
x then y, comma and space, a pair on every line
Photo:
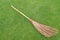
43, 29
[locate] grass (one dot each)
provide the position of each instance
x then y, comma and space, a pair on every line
13, 26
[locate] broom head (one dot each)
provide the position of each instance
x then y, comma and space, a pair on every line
43, 29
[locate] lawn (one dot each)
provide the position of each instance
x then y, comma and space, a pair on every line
14, 26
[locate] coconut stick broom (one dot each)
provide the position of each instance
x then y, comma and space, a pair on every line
43, 29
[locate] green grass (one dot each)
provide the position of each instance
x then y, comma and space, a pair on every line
13, 26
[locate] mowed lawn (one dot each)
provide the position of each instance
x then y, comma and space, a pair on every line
13, 26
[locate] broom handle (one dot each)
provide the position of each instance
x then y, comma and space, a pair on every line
20, 12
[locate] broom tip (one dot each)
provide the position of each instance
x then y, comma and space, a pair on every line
53, 34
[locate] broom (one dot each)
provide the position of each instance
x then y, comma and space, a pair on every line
43, 29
